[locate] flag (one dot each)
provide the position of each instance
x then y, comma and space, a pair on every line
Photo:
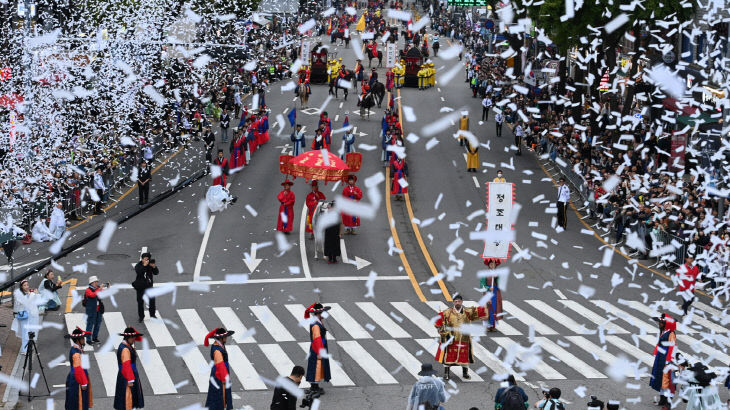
329, 27
384, 125
346, 123
361, 24
292, 116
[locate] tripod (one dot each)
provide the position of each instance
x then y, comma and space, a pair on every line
28, 364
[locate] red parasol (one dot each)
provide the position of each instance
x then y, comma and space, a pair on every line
312, 165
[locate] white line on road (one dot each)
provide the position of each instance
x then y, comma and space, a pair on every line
341, 104
442, 99
476, 181
557, 291
303, 243
337, 117
343, 251
273, 280
203, 245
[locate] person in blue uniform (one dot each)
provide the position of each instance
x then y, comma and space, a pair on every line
128, 393
78, 386
318, 366
661, 373
219, 387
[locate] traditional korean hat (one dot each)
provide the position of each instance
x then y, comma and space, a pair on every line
314, 182
217, 334
132, 332
77, 333
287, 182
315, 308
497, 261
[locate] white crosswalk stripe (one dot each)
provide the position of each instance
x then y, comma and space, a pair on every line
272, 324
194, 324
154, 369
569, 346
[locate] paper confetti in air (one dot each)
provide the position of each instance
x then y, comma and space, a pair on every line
614, 24
308, 25
106, 235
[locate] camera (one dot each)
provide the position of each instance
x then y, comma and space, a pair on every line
309, 398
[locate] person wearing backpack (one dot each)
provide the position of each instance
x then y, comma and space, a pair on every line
511, 396
551, 400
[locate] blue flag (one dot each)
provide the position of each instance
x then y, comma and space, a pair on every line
292, 116
346, 123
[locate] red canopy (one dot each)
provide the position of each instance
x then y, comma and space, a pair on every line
312, 165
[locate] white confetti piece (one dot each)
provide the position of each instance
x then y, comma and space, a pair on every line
106, 235
306, 26
614, 24
202, 216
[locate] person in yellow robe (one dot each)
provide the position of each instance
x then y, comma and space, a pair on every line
472, 157
463, 125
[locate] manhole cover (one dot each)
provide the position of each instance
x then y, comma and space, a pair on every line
113, 257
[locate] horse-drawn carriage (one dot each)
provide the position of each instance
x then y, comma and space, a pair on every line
319, 60
413, 59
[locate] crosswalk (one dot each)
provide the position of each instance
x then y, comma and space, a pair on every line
375, 343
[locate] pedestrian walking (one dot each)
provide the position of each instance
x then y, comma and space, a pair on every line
318, 365
661, 374
563, 200
511, 396
94, 309
354, 193
143, 182
283, 398
26, 312
145, 270
100, 187
225, 123
313, 198
285, 221
459, 351
498, 120
486, 106
128, 392
687, 276
428, 392
490, 286
519, 134
78, 387
219, 386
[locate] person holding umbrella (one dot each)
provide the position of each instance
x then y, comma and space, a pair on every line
219, 387
128, 392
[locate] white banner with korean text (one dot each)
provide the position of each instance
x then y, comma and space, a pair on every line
499, 217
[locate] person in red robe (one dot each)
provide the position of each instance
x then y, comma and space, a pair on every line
399, 169
313, 198
264, 125
251, 135
221, 162
353, 192
238, 151
285, 221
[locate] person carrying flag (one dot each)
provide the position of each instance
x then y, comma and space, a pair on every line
348, 139
298, 140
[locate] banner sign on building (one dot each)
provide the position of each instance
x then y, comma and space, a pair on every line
500, 197
391, 54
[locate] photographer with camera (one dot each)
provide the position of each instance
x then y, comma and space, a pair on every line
284, 399
145, 269
551, 400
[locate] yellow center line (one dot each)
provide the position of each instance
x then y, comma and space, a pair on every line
69, 298
416, 231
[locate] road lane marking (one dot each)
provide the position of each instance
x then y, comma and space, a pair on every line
430, 345
114, 322
198, 367
569, 359
272, 324
598, 352
632, 350
557, 291
243, 369
280, 361
273, 280
383, 320
412, 217
229, 317
158, 331
402, 356
108, 367
593, 317
70, 296
194, 324
545, 370
527, 319
561, 318
201, 252
156, 372
303, 243
367, 362
351, 326
476, 181
422, 322
492, 361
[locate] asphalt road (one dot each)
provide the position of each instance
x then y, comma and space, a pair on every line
557, 299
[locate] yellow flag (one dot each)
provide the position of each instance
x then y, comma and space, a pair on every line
361, 24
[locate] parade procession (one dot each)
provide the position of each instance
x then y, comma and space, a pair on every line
374, 204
